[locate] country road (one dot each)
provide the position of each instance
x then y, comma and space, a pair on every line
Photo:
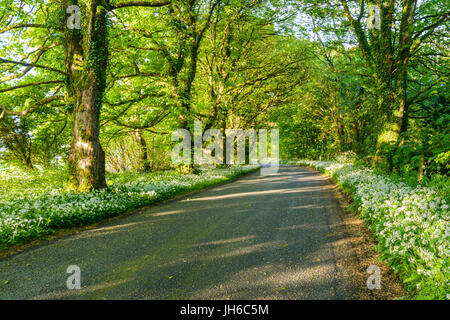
278, 236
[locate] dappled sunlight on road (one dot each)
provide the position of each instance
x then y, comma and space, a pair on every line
98, 232
224, 241
271, 282
273, 245
256, 193
164, 213
86, 289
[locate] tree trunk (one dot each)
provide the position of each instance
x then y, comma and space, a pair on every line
421, 167
405, 43
86, 84
87, 159
356, 138
145, 163
340, 133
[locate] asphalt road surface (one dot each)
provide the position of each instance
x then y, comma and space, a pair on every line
260, 237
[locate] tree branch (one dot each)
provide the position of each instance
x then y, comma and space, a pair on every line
29, 85
140, 4
23, 25
32, 65
36, 106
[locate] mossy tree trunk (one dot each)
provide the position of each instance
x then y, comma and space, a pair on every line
144, 158
390, 70
86, 62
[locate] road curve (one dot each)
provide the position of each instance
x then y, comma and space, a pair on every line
260, 237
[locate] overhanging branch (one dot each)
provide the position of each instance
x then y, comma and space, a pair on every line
154, 4
36, 106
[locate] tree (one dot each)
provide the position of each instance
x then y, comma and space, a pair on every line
85, 64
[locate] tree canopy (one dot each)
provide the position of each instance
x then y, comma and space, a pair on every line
107, 94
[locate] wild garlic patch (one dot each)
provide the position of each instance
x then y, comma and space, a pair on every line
411, 225
36, 203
